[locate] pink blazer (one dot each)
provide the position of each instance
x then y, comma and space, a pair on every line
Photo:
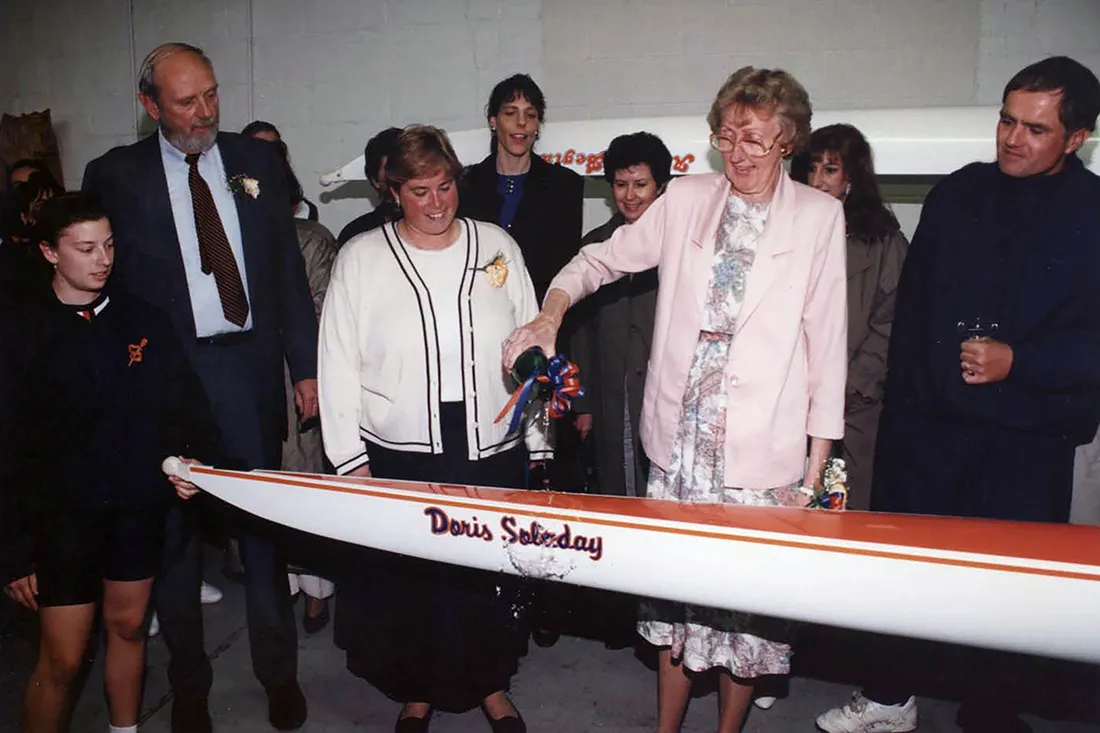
789, 359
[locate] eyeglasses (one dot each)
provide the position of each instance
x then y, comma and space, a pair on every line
751, 146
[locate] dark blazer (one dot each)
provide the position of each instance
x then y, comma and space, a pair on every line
547, 225
131, 182
612, 349
382, 214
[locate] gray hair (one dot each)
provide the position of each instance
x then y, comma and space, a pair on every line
158, 54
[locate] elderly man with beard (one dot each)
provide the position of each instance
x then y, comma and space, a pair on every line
202, 231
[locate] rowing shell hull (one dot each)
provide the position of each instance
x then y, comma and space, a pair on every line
926, 141
1022, 587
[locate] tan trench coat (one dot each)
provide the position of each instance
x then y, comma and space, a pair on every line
302, 450
874, 268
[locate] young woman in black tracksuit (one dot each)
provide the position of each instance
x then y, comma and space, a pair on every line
101, 394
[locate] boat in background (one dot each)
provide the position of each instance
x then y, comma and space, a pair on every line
922, 141
1023, 587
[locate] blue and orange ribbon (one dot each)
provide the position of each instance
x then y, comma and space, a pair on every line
559, 382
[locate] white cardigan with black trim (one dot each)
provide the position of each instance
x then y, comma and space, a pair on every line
379, 355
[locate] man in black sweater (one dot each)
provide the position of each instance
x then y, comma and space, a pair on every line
995, 355
97, 393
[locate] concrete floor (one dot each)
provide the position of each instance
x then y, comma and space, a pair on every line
576, 685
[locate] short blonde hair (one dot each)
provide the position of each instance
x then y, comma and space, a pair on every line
772, 90
420, 151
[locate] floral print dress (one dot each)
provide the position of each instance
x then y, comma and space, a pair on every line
745, 644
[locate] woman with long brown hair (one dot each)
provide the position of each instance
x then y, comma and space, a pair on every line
839, 162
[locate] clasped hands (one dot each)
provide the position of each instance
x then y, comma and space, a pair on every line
985, 361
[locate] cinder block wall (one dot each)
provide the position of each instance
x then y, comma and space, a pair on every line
329, 73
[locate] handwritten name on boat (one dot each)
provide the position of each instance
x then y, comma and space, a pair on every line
593, 162
512, 533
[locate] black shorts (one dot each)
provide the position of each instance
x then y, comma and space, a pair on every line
75, 552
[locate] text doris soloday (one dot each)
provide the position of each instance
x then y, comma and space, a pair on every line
512, 533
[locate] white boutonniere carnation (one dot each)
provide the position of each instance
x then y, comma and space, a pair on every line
246, 185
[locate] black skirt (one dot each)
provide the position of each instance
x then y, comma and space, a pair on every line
422, 631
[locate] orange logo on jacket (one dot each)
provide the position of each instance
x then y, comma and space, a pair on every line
135, 351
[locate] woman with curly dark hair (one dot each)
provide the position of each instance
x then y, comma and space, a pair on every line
839, 162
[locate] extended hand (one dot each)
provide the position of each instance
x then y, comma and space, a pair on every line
985, 361
184, 489
24, 591
541, 332
305, 399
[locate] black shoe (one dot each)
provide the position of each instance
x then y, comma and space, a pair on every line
313, 624
982, 720
412, 725
544, 637
507, 724
286, 707
191, 715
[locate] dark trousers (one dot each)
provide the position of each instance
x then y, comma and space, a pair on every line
176, 599
993, 686
272, 635
986, 471
228, 375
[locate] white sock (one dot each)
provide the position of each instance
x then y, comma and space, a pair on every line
116, 729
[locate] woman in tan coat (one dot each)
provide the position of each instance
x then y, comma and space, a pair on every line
839, 162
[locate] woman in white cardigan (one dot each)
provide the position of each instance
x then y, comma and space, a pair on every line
410, 385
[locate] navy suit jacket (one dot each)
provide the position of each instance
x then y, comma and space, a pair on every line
131, 183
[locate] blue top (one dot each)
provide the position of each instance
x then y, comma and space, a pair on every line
510, 189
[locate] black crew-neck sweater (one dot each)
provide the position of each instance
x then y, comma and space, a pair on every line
105, 397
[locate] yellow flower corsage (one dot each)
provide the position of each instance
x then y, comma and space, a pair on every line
496, 270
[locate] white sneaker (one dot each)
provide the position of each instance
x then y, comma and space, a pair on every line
154, 626
862, 715
209, 594
764, 702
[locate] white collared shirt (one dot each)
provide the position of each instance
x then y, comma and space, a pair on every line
206, 305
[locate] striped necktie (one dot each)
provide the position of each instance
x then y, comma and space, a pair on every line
215, 253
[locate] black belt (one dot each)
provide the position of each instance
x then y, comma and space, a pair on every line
225, 339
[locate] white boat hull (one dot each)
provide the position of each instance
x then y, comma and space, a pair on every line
1021, 587
927, 141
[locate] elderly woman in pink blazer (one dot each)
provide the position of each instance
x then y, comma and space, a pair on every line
749, 356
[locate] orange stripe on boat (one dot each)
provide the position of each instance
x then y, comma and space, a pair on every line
1061, 543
